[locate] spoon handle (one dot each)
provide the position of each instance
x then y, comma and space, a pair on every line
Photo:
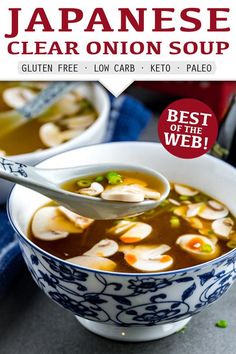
23, 174
46, 98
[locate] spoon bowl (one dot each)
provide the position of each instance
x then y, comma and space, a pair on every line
48, 182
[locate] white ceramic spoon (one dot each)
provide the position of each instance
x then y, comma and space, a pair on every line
48, 181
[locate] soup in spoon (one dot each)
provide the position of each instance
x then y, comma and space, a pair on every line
122, 186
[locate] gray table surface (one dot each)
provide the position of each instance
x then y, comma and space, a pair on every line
32, 324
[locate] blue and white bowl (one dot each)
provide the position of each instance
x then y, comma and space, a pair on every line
131, 307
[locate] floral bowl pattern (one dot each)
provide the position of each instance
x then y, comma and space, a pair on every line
130, 300
142, 300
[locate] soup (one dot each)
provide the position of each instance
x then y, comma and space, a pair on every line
126, 186
188, 228
69, 117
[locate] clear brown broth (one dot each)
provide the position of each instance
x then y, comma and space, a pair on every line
159, 218
152, 182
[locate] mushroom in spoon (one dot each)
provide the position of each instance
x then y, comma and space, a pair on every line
48, 182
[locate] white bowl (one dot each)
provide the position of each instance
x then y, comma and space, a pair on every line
129, 306
93, 135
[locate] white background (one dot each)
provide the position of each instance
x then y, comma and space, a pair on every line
225, 64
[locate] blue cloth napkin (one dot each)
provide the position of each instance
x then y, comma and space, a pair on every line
10, 256
128, 117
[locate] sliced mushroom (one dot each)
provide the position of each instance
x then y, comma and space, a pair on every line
193, 209
78, 220
186, 202
196, 223
148, 192
51, 135
121, 227
215, 205
67, 105
104, 248
222, 227
76, 92
136, 233
133, 180
123, 193
213, 210
98, 263
70, 134
149, 250
205, 230
200, 247
181, 211
49, 225
93, 191
173, 201
78, 122
214, 239
40, 85
148, 258
50, 117
184, 190
17, 97
2, 153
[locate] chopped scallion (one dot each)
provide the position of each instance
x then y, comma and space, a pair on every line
222, 324
200, 198
184, 197
164, 203
182, 330
132, 218
231, 244
174, 221
84, 182
114, 177
150, 212
99, 179
206, 248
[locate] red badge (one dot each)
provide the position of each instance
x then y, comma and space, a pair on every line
188, 128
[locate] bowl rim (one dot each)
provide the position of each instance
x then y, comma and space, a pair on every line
119, 274
56, 150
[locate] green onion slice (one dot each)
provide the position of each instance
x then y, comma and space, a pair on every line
99, 179
222, 324
206, 248
84, 182
114, 177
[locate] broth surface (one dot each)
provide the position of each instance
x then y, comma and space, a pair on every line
162, 233
128, 177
